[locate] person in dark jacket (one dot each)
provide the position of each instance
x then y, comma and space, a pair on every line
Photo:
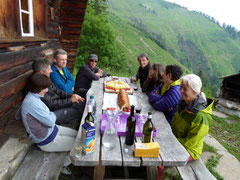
143, 69
154, 78
86, 74
166, 97
68, 107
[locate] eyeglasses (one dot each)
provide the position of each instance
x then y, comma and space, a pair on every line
92, 60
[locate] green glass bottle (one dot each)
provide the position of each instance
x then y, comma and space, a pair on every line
89, 118
148, 129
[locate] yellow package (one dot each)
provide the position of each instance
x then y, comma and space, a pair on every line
88, 138
147, 149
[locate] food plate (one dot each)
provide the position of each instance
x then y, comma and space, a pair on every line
114, 86
124, 112
121, 125
115, 78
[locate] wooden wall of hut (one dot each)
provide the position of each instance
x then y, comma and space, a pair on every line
57, 24
230, 89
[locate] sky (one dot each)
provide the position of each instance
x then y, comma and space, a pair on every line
224, 11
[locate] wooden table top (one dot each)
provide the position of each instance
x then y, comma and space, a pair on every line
172, 153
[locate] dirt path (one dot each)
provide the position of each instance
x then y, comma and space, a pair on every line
228, 166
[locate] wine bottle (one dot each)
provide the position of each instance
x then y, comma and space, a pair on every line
130, 128
148, 129
89, 118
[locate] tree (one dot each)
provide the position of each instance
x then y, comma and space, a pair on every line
98, 38
99, 6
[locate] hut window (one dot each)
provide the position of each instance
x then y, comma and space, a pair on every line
26, 17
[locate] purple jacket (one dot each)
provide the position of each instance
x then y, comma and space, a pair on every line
170, 99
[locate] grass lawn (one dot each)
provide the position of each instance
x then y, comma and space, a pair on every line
227, 132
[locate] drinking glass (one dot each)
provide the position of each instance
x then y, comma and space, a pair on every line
135, 87
138, 110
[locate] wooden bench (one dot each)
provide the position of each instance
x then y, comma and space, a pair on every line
195, 170
40, 165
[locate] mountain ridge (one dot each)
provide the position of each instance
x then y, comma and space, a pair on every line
197, 43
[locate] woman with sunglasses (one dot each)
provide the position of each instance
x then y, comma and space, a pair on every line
86, 74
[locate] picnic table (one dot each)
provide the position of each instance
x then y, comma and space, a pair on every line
172, 153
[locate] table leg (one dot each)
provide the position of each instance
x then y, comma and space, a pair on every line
152, 172
126, 173
99, 172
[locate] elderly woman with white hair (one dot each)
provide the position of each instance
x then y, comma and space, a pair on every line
191, 122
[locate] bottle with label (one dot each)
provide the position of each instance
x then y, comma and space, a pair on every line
130, 128
148, 129
92, 102
89, 118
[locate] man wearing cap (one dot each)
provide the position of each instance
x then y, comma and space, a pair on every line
86, 74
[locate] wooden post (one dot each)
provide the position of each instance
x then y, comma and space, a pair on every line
99, 172
152, 172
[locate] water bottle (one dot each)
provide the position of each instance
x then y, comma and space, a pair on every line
110, 136
92, 102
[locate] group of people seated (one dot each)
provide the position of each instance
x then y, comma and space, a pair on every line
53, 107
182, 101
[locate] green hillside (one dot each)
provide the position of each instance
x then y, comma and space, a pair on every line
136, 41
170, 33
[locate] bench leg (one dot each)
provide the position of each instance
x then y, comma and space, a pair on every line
99, 172
152, 172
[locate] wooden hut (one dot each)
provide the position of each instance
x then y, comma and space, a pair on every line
230, 88
31, 29
228, 100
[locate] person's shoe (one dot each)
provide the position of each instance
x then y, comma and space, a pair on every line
66, 174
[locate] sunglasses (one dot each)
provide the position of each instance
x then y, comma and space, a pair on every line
92, 60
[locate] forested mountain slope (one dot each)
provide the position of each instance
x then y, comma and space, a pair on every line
170, 33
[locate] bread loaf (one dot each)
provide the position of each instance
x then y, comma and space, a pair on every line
123, 101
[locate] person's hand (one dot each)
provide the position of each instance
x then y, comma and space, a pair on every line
170, 109
99, 73
133, 80
76, 98
157, 92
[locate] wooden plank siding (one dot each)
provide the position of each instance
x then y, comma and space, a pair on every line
72, 16
8, 17
17, 53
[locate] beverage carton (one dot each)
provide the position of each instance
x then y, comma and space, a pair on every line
147, 149
88, 138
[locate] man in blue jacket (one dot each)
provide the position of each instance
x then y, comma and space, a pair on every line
166, 97
60, 74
